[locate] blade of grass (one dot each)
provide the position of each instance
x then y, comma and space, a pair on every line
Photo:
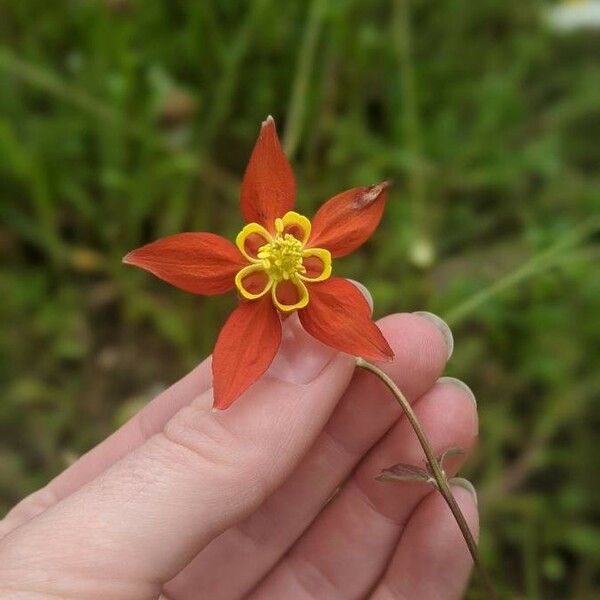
304, 67
537, 264
225, 86
223, 101
47, 81
411, 123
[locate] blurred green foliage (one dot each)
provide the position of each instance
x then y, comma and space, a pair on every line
122, 121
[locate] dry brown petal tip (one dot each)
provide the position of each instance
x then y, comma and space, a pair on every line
368, 195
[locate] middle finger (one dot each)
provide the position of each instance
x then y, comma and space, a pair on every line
234, 562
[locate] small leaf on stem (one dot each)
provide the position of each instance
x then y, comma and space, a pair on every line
406, 473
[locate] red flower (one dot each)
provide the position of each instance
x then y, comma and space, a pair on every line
281, 264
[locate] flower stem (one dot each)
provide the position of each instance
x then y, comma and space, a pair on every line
436, 470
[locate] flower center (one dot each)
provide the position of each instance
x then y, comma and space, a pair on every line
282, 257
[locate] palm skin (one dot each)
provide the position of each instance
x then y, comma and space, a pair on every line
273, 498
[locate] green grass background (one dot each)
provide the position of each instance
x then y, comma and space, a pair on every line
122, 121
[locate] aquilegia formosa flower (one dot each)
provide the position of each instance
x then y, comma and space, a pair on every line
280, 264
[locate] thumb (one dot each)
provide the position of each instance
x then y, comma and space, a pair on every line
163, 502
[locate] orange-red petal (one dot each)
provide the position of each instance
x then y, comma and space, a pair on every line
348, 220
317, 264
268, 188
201, 263
244, 350
289, 295
251, 239
338, 315
296, 225
253, 281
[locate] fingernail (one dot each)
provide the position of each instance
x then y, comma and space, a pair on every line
301, 358
365, 292
459, 384
466, 485
442, 326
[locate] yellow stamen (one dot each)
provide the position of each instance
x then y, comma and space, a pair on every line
281, 258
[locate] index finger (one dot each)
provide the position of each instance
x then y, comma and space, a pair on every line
299, 358
167, 499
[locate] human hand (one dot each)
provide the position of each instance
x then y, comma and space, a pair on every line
184, 503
